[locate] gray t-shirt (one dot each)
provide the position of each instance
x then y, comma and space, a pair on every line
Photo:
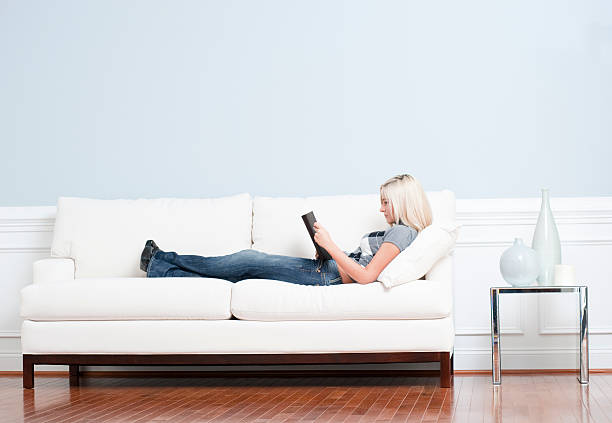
400, 235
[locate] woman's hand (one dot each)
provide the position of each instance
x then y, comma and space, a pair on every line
322, 237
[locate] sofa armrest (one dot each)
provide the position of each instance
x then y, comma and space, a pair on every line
53, 269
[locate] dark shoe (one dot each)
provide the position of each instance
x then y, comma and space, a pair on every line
145, 257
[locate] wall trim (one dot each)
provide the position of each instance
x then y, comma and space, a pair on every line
500, 244
486, 331
561, 330
24, 250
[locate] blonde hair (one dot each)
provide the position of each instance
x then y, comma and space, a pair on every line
408, 201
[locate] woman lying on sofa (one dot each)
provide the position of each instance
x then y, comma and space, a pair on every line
406, 209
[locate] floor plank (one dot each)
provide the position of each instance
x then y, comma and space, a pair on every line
537, 398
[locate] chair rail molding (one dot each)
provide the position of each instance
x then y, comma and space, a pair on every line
543, 327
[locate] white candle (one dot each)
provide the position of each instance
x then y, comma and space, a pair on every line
565, 274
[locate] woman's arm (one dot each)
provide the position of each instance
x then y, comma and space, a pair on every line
357, 272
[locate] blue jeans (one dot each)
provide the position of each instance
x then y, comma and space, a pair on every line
245, 264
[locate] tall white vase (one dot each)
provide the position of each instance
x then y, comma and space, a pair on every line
546, 242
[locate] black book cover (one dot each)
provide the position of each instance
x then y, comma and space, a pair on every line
309, 220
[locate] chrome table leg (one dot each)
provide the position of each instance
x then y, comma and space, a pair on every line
583, 340
495, 354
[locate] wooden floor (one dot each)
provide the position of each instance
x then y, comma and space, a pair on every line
521, 398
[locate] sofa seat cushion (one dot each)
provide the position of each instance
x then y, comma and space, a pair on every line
128, 299
270, 300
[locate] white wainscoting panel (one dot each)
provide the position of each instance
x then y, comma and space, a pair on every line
538, 331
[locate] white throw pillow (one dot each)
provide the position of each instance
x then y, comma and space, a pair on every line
432, 243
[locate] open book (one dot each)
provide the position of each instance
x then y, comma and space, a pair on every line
309, 220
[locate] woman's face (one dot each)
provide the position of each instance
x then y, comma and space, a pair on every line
387, 209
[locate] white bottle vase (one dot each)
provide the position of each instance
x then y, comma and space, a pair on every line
546, 242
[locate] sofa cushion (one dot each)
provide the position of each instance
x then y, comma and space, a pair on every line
106, 237
279, 229
263, 299
128, 299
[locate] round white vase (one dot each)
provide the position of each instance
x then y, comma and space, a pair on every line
519, 264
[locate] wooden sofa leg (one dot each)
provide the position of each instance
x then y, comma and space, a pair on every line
28, 372
446, 372
73, 370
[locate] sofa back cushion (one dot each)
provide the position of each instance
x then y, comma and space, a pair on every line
278, 227
106, 237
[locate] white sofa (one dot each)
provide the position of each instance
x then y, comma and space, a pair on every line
90, 304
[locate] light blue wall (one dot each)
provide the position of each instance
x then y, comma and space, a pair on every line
127, 99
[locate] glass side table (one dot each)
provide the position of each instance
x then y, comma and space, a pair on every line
583, 335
